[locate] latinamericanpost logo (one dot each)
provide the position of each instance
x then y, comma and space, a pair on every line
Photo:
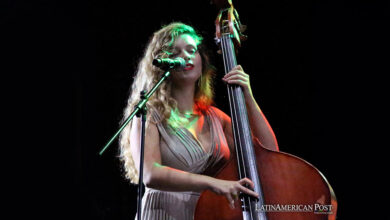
316, 208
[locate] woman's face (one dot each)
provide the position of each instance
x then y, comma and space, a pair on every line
185, 47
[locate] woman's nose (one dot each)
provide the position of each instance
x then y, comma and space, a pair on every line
186, 55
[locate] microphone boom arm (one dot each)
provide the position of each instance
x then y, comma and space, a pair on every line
141, 104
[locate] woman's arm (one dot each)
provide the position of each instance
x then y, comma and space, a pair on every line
158, 176
261, 129
166, 178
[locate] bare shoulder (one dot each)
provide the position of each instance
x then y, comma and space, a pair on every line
151, 129
227, 126
152, 144
223, 117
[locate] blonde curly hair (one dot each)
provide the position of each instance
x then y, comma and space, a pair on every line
161, 101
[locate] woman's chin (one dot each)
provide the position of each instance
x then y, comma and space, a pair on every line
186, 77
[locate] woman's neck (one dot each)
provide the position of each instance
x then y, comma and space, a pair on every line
184, 96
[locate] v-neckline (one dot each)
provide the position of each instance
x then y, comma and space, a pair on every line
198, 141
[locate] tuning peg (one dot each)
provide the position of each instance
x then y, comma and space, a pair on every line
243, 37
217, 40
243, 28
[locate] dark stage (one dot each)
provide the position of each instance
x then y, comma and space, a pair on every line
311, 65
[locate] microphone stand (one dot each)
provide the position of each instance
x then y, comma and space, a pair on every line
140, 110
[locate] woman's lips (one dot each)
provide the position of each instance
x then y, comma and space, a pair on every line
189, 67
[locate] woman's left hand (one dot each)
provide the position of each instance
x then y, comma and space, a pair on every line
239, 77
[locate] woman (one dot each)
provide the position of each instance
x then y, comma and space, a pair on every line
187, 140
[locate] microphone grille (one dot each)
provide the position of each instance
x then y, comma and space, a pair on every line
182, 62
156, 61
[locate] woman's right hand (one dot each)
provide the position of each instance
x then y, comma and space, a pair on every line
232, 189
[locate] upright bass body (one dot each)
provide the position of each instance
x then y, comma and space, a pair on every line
293, 189
289, 187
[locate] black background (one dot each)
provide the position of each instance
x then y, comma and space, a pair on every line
317, 70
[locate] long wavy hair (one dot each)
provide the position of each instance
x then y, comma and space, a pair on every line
147, 75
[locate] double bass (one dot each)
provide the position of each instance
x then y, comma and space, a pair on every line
289, 187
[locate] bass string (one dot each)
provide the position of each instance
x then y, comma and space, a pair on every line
231, 103
234, 96
238, 102
235, 121
233, 107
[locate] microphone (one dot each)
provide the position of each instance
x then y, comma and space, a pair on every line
167, 63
